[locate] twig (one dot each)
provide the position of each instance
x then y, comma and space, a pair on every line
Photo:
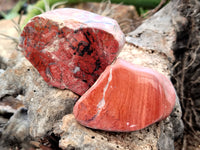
153, 11
184, 147
15, 40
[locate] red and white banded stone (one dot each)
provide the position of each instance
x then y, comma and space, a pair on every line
70, 47
126, 97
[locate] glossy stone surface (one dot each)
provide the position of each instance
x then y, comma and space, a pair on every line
70, 48
125, 98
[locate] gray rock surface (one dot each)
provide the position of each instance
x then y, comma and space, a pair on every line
79, 137
45, 104
159, 32
17, 129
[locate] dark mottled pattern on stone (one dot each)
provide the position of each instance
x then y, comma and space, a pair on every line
69, 52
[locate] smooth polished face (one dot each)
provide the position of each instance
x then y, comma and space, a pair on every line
70, 48
125, 98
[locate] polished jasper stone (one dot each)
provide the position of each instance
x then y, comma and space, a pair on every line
125, 98
70, 48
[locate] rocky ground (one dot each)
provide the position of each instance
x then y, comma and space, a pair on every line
35, 115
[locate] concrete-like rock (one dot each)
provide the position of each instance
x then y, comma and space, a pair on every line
16, 130
76, 136
45, 104
9, 105
86, 137
70, 47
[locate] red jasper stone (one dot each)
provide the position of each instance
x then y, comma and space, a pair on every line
70, 48
125, 98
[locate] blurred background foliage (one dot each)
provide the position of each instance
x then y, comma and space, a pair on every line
35, 7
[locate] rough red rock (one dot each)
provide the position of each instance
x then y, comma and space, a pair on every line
70, 48
125, 98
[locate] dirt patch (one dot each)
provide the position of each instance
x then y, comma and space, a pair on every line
187, 75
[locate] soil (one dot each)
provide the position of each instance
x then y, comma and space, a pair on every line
186, 75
